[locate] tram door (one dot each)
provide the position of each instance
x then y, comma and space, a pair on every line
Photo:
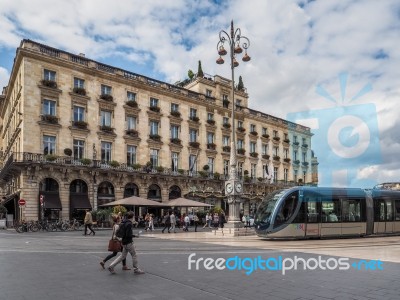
313, 219
383, 220
389, 216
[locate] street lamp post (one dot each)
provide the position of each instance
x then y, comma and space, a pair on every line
233, 186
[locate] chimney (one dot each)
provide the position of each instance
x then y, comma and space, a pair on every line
82, 54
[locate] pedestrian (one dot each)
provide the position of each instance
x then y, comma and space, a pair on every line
151, 222
167, 222
117, 221
248, 221
222, 220
196, 222
206, 223
173, 222
209, 220
88, 222
127, 245
187, 223
216, 220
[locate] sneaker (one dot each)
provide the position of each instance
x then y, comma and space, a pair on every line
139, 272
111, 269
125, 268
102, 264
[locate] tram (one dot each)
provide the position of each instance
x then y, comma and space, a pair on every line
314, 212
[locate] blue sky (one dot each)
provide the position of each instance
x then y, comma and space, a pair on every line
295, 47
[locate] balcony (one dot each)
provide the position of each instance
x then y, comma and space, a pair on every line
226, 125
255, 133
241, 151
287, 141
132, 132
226, 149
296, 143
211, 146
79, 91
211, 122
49, 119
154, 109
276, 158
265, 156
176, 114
296, 162
194, 144
266, 136
241, 129
49, 83
107, 129
305, 163
194, 119
106, 97
176, 141
276, 138
304, 146
254, 154
80, 124
132, 103
225, 103
286, 160
155, 137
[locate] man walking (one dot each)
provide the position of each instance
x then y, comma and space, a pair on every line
167, 222
127, 245
173, 222
88, 222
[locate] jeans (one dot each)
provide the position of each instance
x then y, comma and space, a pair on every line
127, 248
90, 228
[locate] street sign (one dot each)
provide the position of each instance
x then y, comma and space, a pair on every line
21, 202
41, 199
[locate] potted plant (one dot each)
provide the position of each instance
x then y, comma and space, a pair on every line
175, 113
80, 124
211, 122
194, 144
114, 164
106, 97
206, 167
155, 108
226, 125
85, 161
49, 83
181, 171
132, 103
132, 132
194, 118
226, 148
51, 157
79, 91
265, 136
136, 166
160, 169
217, 175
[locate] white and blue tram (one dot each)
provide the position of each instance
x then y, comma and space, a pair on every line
314, 212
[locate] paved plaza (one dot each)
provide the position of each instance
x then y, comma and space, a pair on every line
65, 265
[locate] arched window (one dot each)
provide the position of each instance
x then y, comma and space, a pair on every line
154, 192
131, 189
48, 185
105, 188
78, 186
174, 192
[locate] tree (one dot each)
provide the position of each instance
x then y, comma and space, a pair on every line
200, 70
240, 85
190, 74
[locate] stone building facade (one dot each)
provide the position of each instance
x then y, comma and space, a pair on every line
77, 133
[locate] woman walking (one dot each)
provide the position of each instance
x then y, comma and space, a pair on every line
117, 221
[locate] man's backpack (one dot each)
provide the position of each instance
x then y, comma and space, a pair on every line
121, 230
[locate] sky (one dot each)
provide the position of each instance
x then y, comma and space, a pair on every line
331, 65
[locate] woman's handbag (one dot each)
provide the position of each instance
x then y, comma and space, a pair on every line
114, 245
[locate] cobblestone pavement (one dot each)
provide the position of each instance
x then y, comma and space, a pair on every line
66, 266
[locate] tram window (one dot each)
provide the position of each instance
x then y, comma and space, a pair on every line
301, 215
287, 209
330, 211
312, 212
389, 210
379, 211
351, 210
397, 209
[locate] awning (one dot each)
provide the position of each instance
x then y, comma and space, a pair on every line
80, 201
135, 201
183, 202
52, 201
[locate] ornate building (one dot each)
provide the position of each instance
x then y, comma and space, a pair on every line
81, 133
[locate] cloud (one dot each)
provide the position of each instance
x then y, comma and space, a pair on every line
4, 77
293, 47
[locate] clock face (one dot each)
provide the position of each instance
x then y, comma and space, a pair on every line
229, 188
238, 187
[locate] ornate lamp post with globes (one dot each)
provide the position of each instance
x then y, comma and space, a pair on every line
233, 186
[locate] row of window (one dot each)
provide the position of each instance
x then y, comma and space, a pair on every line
49, 145
49, 108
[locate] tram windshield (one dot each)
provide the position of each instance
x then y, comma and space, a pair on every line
267, 206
